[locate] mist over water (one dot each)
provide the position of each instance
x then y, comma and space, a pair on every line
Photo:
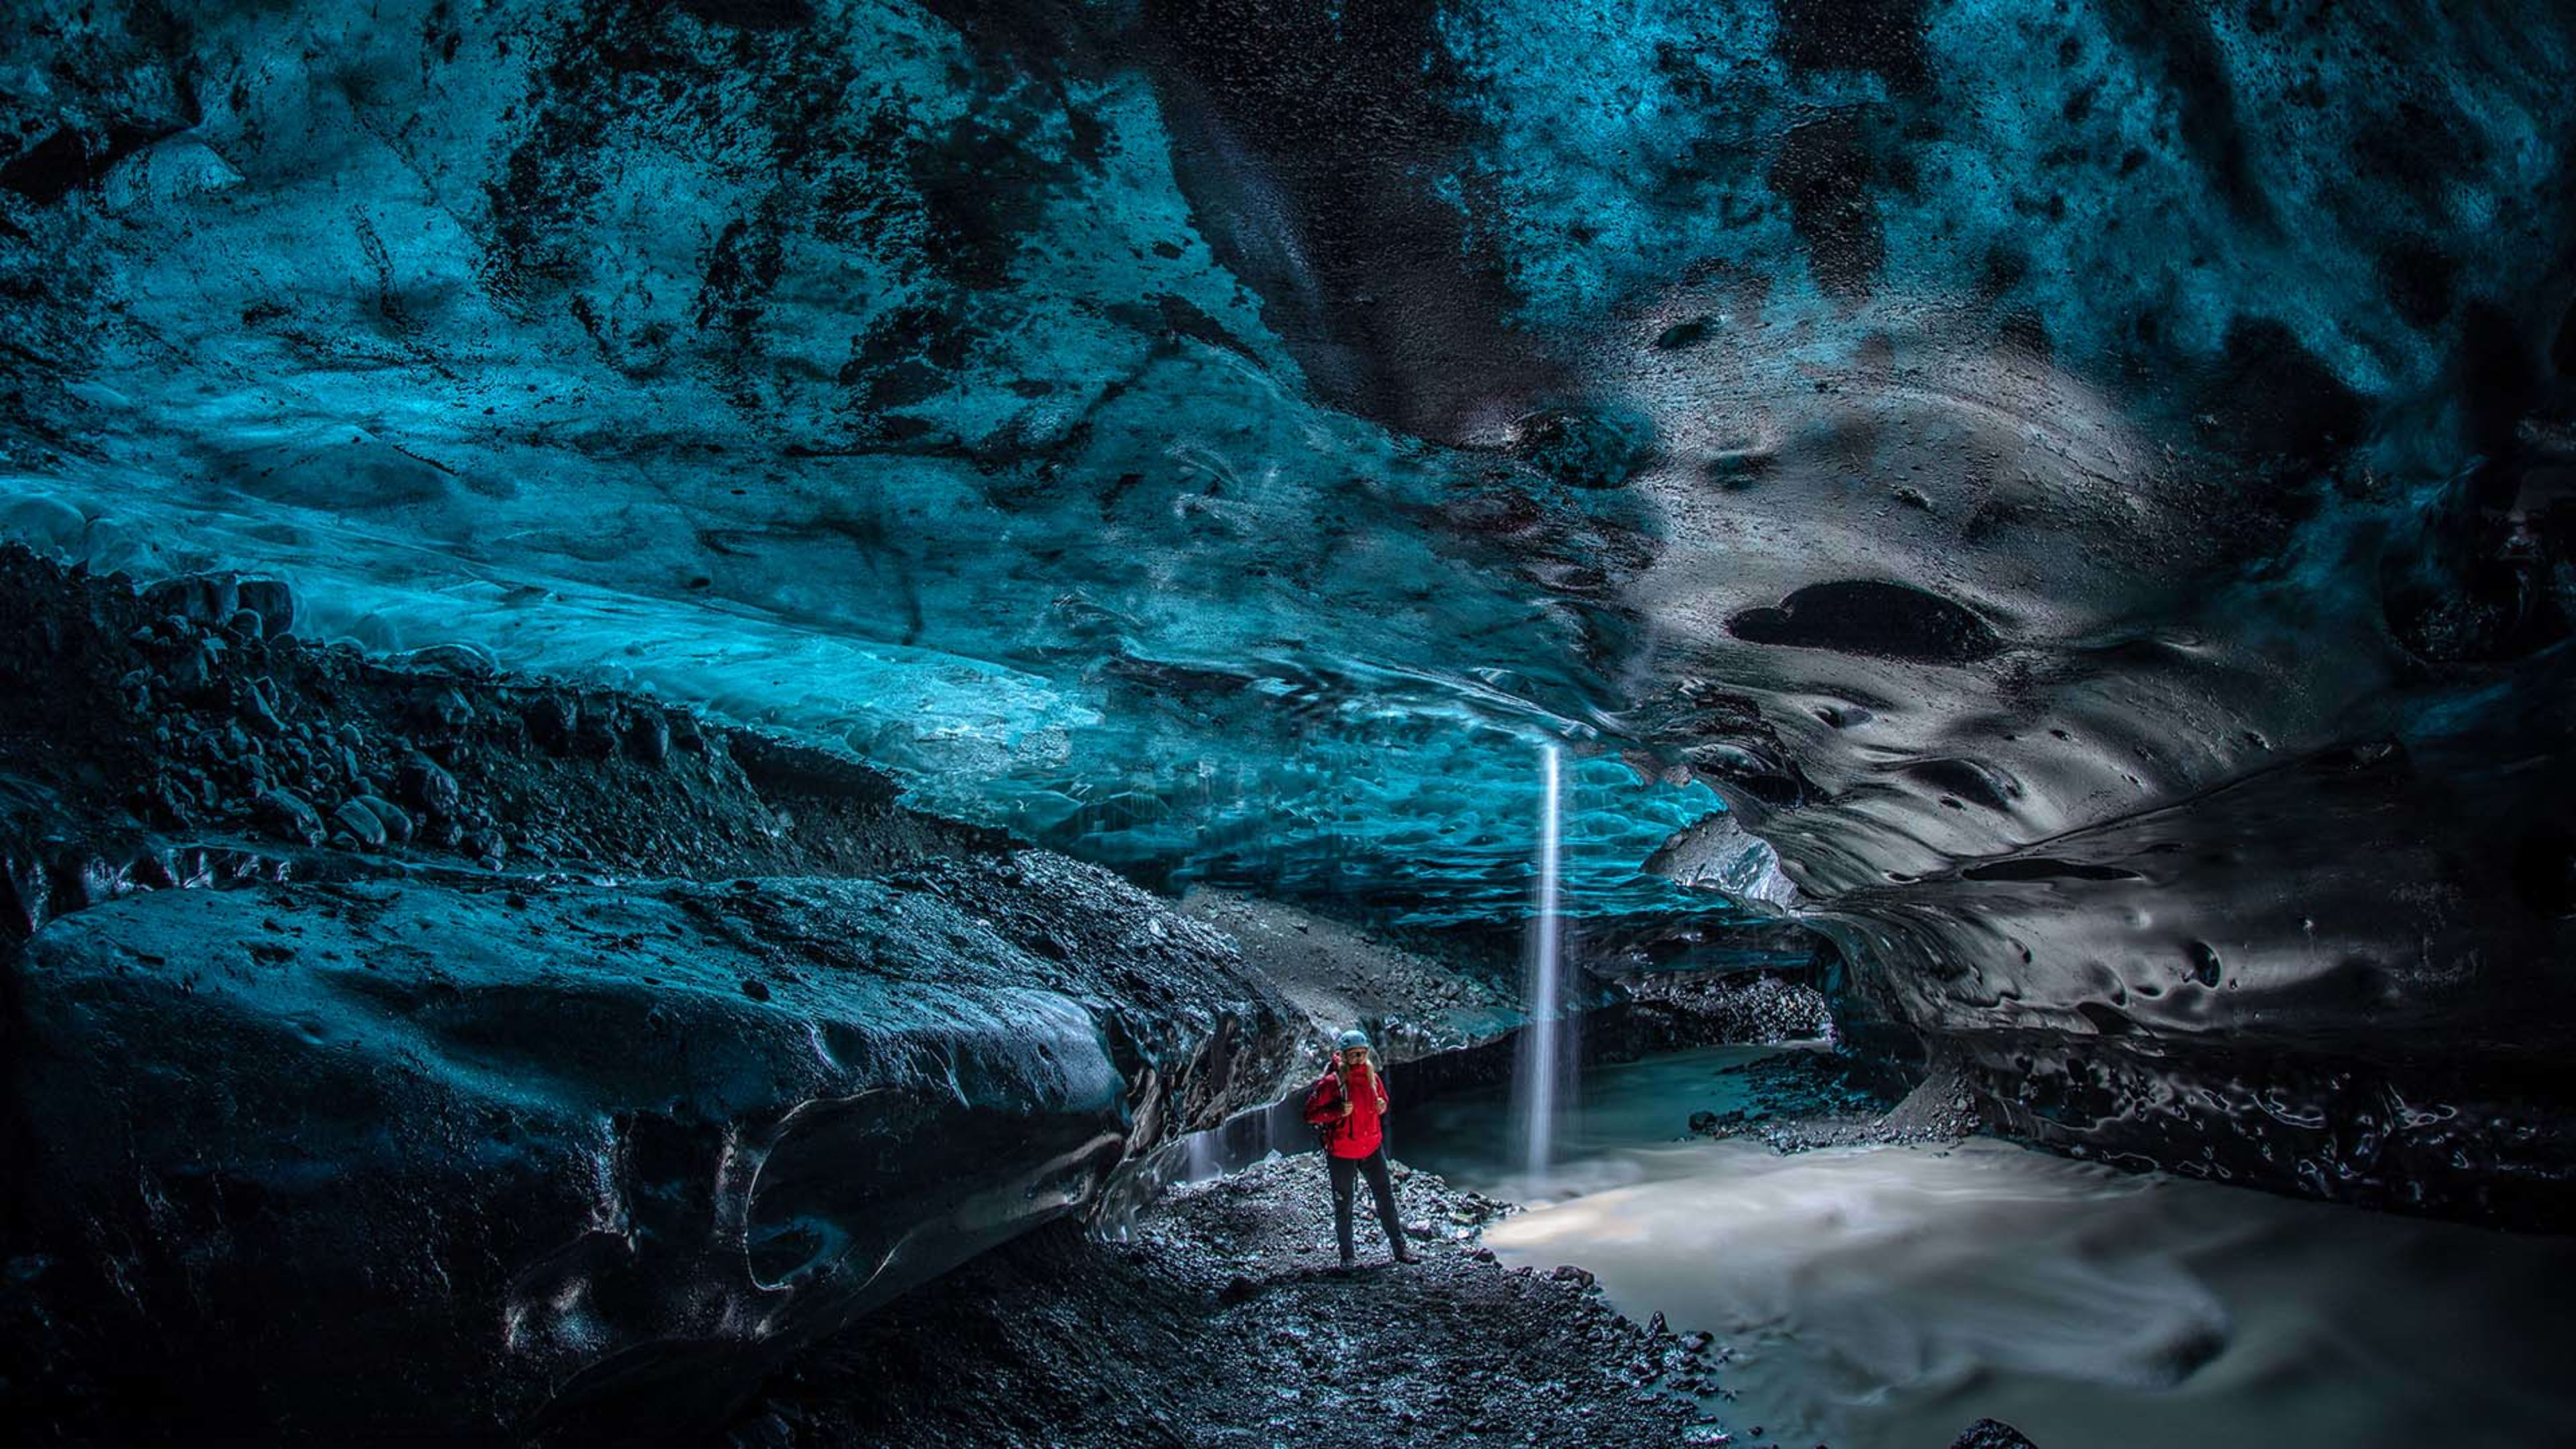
1883, 1297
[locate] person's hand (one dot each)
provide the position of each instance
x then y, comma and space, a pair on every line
1381, 1104
1349, 1107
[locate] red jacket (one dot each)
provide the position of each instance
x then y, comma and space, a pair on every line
1358, 1134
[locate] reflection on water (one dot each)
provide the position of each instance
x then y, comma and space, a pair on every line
1461, 1136
1882, 1298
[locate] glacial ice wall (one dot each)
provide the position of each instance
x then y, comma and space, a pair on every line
2086, 483
864, 376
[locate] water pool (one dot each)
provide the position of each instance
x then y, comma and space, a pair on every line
1884, 1297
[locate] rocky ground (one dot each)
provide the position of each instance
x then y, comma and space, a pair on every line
182, 726
1224, 1320
1338, 974
1839, 1099
1645, 1014
1734, 1008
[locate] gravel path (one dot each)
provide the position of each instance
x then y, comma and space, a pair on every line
1225, 1321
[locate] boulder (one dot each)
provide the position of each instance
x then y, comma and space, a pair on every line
272, 602
285, 814
648, 737
203, 599
426, 786
359, 824
1718, 855
552, 717
396, 822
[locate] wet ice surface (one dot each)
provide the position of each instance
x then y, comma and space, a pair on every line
1465, 1136
1884, 1296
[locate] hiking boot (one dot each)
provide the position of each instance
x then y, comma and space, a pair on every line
1404, 1254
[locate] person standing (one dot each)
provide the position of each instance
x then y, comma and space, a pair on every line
1346, 1105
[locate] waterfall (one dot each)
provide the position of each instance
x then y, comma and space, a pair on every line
1541, 1056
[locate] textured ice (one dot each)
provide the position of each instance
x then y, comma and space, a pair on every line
1226, 439
604, 1153
845, 379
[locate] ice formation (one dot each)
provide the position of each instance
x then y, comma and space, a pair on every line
2073, 504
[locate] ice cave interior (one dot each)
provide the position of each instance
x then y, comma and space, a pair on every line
791, 636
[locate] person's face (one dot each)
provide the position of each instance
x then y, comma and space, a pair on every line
1354, 1057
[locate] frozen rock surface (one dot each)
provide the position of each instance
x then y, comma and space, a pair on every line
573, 1157
1992, 1434
551, 1103
1720, 856
160, 747
1337, 975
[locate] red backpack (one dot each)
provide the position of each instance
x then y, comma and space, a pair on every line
1323, 1109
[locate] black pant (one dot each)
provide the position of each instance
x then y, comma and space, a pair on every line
1381, 1185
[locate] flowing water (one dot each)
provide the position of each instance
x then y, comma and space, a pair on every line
1884, 1297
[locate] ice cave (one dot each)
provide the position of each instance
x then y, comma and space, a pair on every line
1241, 723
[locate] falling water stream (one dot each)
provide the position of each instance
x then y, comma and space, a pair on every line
1538, 1065
1883, 1297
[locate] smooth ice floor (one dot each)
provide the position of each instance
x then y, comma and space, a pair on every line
1884, 1297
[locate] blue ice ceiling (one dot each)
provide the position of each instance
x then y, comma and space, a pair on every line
1227, 439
